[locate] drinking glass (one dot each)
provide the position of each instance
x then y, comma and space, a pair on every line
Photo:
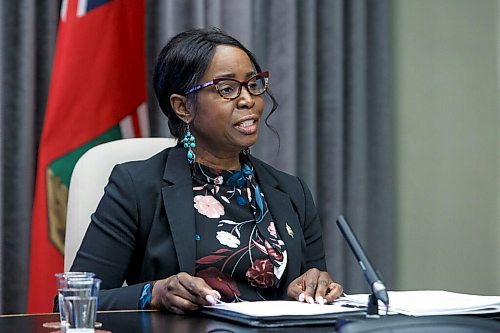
80, 297
62, 282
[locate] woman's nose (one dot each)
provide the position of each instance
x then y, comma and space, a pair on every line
245, 100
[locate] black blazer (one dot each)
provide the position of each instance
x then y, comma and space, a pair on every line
144, 226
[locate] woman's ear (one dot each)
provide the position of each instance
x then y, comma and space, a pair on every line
179, 105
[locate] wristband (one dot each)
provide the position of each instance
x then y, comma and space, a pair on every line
145, 299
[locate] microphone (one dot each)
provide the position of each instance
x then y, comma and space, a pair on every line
376, 284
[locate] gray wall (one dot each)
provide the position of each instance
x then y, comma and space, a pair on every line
447, 144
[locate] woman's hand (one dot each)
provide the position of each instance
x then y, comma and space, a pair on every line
314, 286
181, 293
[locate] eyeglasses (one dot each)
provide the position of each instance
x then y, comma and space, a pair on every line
230, 88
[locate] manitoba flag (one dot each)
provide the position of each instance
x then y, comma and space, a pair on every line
97, 94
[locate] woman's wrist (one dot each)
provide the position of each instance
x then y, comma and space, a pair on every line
155, 302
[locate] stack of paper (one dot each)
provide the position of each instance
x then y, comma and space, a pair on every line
283, 308
280, 313
432, 302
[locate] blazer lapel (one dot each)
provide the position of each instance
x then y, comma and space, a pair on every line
282, 211
178, 200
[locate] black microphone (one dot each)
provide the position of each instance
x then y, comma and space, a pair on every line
376, 284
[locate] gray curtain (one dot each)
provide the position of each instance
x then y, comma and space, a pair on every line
330, 72
27, 38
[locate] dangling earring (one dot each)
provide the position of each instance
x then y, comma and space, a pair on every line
189, 143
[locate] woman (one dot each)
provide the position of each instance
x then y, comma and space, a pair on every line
206, 221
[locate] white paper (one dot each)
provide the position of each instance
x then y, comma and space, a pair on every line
433, 302
282, 308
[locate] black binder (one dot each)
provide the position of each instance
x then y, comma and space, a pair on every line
277, 321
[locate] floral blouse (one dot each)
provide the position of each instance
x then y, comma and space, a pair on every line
238, 250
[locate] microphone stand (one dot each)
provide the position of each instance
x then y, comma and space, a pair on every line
372, 310
377, 287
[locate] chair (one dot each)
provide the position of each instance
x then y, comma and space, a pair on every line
89, 178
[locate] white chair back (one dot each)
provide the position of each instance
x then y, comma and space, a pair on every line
89, 178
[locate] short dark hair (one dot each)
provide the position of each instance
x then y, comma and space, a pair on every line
182, 63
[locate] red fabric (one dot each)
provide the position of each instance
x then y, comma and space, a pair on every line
136, 125
98, 77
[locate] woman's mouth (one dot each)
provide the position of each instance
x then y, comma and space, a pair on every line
247, 127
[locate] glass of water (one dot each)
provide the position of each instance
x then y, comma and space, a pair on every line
80, 304
63, 283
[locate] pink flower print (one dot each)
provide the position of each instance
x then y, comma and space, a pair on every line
272, 251
261, 273
207, 205
218, 180
272, 229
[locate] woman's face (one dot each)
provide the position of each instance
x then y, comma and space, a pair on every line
224, 127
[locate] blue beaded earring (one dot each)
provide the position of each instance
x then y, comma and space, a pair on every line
189, 143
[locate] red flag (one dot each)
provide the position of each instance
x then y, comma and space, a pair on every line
97, 94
